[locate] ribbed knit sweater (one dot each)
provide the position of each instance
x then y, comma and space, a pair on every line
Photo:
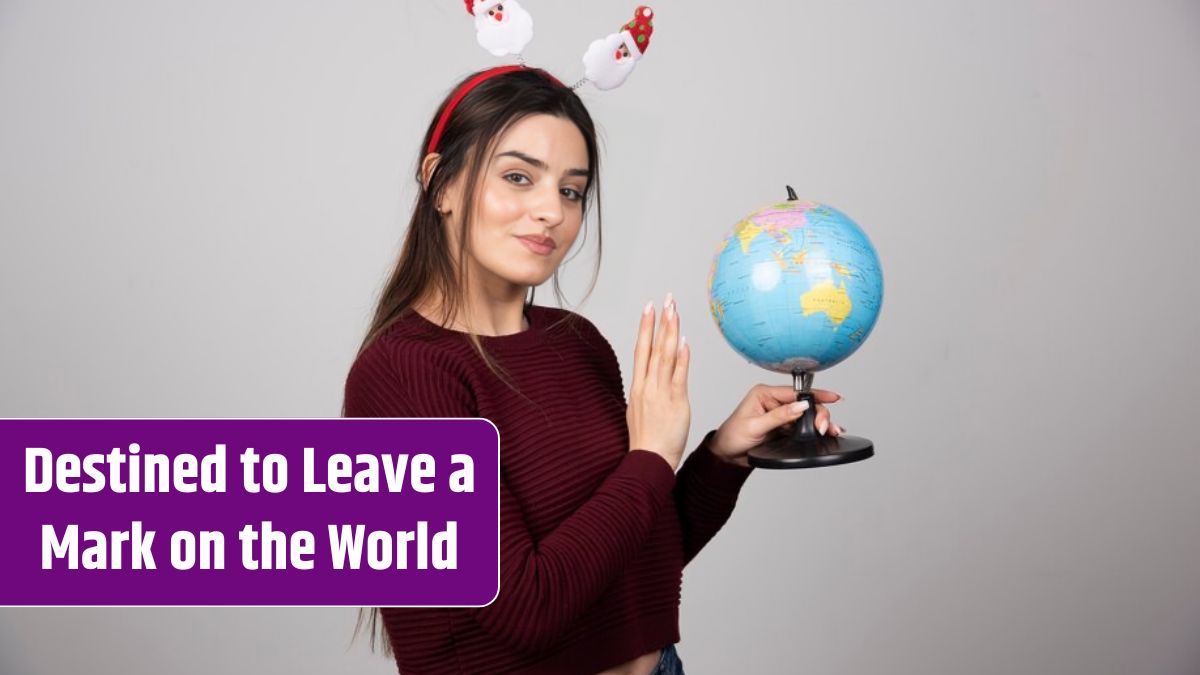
593, 535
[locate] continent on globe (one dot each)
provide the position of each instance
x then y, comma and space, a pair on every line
835, 302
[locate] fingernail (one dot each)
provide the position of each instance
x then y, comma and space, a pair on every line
648, 308
822, 426
798, 407
682, 342
670, 311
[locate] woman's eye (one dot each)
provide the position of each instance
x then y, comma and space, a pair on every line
518, 178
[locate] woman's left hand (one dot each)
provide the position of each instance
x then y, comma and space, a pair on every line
764, 409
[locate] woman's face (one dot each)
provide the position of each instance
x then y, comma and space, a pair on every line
529, 208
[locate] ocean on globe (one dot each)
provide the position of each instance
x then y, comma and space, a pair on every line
795, 286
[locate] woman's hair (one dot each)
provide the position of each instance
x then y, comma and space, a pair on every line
426, 262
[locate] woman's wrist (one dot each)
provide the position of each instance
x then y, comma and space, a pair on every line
715, 446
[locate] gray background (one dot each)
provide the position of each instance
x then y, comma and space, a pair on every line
200, 200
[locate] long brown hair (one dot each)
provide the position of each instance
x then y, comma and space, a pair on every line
426, 262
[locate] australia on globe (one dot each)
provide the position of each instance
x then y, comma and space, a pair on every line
796, 286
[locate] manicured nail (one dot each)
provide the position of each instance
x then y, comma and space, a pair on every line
648, 308
822, 426
682, 342
798, 407
670, 305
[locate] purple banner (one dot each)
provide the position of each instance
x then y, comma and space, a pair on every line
365, 512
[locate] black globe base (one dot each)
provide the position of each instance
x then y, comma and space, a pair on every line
790, 453
804, 447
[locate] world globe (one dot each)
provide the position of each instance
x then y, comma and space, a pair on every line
795, 286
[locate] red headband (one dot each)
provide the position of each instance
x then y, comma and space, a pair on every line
467, 87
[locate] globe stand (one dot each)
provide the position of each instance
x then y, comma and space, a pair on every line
805, 447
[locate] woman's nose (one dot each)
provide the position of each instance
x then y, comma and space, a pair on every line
547, 207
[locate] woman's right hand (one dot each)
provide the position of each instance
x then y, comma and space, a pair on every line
659, 414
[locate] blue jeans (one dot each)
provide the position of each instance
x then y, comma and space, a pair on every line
668, 662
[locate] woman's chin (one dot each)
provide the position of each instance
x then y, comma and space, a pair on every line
538, 280
531, 276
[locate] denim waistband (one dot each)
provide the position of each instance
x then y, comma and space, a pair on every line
669, 662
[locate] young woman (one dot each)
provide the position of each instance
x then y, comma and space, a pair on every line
596, 523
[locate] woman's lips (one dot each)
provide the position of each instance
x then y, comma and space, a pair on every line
539, 245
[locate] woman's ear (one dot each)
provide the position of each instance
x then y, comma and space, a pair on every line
427, 166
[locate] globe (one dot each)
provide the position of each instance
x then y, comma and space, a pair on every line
796, 286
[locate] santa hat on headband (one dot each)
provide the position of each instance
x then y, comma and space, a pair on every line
636, 34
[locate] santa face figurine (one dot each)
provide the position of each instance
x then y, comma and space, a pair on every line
609, 60
501, 26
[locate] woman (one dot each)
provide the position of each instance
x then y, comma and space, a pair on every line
596, 525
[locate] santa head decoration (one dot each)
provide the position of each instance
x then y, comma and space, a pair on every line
501, 26
609, 60
504, 27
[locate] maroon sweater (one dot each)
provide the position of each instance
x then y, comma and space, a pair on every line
593, 535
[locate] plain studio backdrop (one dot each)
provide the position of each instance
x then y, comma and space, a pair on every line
201, 200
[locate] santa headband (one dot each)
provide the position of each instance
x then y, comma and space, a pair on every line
504, 27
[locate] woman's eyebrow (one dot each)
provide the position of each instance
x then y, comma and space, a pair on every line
539, 163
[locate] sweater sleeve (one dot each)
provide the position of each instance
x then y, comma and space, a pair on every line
546, 584
706, 490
